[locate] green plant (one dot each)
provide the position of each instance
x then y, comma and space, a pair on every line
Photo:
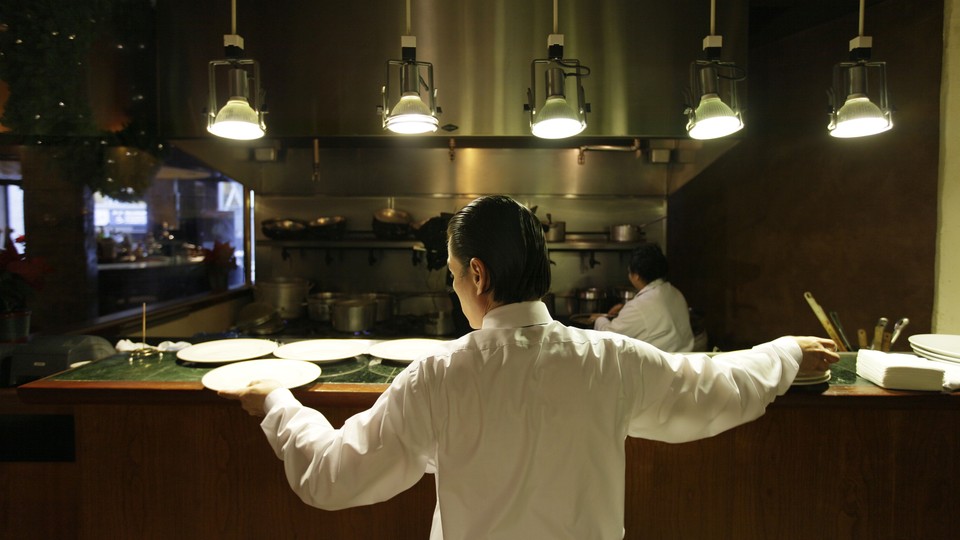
20, 276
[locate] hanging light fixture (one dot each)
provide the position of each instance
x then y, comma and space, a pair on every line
239, 118
710, 82
853, 80
557, 118
410, 114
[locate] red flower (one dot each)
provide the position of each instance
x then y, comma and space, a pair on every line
19, 276
220, 256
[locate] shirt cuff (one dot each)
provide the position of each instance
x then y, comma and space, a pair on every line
278, 397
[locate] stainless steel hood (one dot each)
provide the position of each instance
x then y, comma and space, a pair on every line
323, 62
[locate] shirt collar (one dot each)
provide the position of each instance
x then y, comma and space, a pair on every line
517, 315
651, 286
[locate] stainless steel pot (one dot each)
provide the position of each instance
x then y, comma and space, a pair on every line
319, 304
555, 231
626, 233
384, 304
288, 295
624, 294
592, 300
354, 314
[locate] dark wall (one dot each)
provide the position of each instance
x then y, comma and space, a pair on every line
791, 209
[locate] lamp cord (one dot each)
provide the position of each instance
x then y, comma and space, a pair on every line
861, 17
555, 23
233, 17
408, 17
713, 17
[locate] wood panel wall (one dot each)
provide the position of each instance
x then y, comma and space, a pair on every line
840, 469
791, 209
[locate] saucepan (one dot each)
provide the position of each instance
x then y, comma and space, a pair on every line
354, 314
391, 224
319, 305
626, 233
327, 228
288, 295
283, 228
554, 231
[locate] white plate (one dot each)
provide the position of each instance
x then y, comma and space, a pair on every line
227, 350
290, 373
404, 350
929, 355
942, 344
803, 380
323, 350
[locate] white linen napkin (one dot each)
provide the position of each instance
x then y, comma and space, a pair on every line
906, 371
125, 345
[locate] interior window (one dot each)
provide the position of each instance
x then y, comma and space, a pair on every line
184, 238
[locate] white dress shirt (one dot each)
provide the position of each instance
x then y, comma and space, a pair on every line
658, 314
523, 423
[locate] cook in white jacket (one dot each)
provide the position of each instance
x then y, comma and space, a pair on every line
523, 421
658, 313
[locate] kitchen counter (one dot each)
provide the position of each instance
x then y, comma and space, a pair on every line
360, 380
159, 456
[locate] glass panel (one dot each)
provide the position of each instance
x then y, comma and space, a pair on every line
184, 238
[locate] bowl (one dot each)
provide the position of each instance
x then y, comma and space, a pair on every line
327, 228
283, 228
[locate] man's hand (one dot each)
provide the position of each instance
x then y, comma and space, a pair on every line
253, 396
818, 353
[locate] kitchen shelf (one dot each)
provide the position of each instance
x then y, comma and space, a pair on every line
372, 243
574, 242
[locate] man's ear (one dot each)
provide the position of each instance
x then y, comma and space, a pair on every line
479, 274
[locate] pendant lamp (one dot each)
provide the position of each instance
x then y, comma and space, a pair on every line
556, 118
713, 88
409, 113
240, 118
854, 82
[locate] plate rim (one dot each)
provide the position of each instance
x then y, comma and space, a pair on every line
395, 358
827, 375
281, 361
921, 337
184, 351
279, 350
923, 353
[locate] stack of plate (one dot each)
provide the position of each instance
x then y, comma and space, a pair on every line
938, 347
811, 377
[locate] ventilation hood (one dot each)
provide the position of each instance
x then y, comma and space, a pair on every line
323, 63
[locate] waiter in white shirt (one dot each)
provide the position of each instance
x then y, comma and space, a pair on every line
658, 313
522, 422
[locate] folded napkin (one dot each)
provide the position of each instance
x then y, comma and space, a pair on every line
906, 371
125, 345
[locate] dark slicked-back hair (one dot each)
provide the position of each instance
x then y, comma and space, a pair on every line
508, 238
648, 261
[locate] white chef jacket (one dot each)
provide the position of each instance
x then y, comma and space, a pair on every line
523, 423
658, 314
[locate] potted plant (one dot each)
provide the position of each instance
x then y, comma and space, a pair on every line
219, 261
20, 278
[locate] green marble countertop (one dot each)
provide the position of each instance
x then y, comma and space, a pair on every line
167, 368
363, 369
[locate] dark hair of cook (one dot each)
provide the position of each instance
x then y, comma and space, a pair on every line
508, 238
648, 261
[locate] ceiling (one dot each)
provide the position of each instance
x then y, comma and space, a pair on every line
774, 19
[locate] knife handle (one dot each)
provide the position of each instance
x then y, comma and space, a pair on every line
877, 338
885, 344
862, 338
824, 321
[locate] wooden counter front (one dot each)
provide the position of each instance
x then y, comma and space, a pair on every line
165, 460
